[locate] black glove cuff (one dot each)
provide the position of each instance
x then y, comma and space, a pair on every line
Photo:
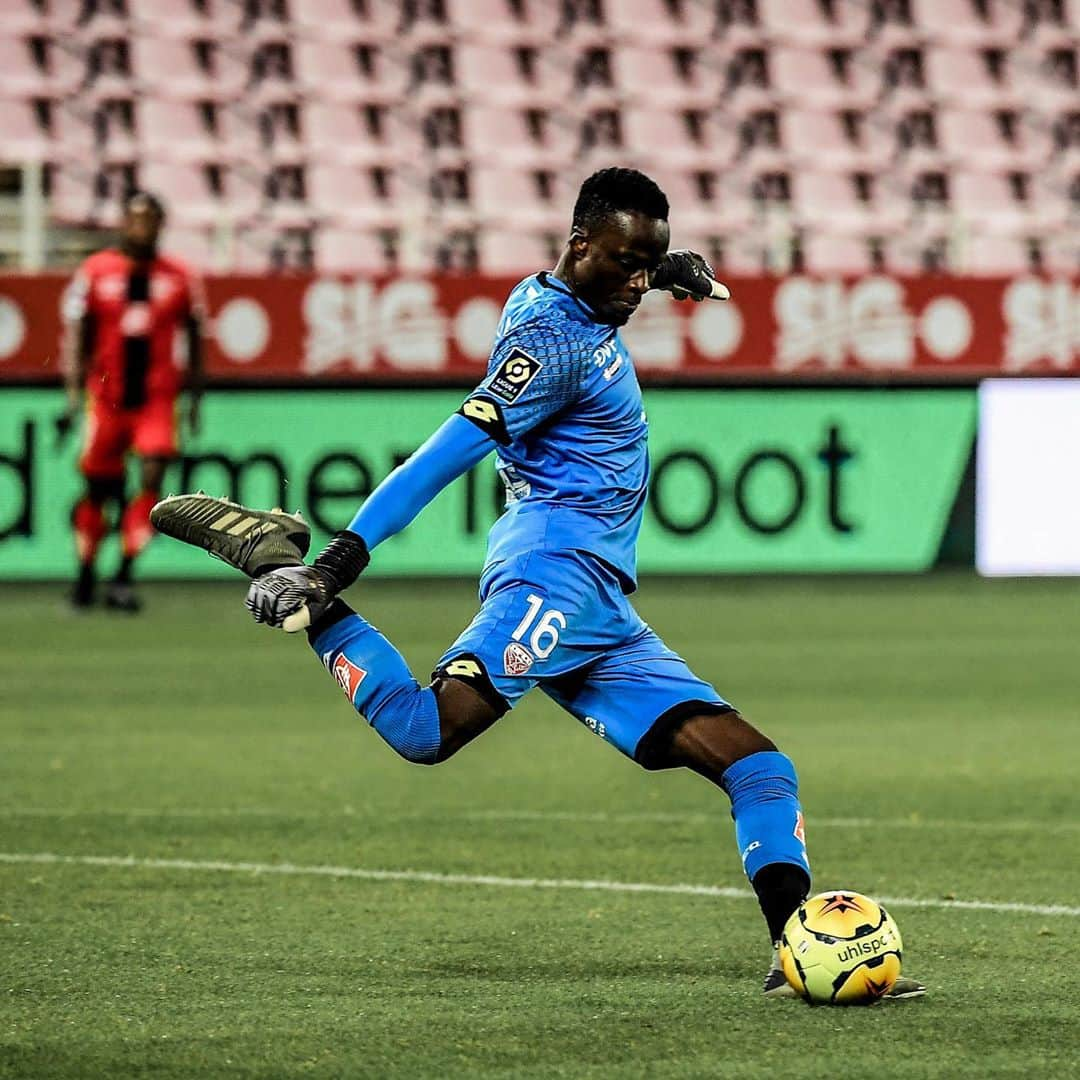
342, 561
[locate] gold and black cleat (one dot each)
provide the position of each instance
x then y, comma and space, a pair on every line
253, 541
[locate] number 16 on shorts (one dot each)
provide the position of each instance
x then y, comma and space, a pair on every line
540, 629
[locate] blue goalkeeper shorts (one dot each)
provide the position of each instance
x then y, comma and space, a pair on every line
560, 620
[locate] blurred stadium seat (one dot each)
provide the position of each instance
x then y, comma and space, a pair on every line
826, 115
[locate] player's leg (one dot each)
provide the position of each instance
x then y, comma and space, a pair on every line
512, 641
643, 698
764, 791
154, 440
424, 724
102, 466
135, 533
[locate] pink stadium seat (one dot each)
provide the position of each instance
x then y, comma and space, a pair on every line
959, 23
653, 24
827, 202
19, 18
349, 197
829, 253
72, 200
728, 210
805, 77
995, 255
1043, 30
960, 77
238, 136
494, 22
350, 251
1046, 79
510, 199
802, 24
186, 192
339, 134
651, 77
973, 140
986, 201
514, 253
174, 131
341, 20
186, 21
194, 246
23, 78
647, 129
73, 133
332, 71
22, 139
480, 67
819, 140
170, 69
497, 136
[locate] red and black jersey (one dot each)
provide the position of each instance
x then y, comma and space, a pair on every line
135, 310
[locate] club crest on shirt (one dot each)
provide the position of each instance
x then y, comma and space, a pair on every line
517, 659
348, 675
514, 375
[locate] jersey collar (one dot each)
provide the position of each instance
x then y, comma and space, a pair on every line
551, 282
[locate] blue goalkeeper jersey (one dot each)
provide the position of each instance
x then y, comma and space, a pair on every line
562, 401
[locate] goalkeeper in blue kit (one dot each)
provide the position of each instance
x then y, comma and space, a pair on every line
561, 409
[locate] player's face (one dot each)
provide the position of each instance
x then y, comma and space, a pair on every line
614, 264
142, 226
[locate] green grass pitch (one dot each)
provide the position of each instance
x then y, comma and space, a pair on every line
934, 722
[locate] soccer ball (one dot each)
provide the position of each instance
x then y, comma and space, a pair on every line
841, 948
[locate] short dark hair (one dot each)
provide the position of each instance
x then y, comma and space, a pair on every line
144, 196
610, 190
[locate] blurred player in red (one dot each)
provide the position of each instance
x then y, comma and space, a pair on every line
122, 312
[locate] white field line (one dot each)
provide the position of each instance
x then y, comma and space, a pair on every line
572, 816
489, 881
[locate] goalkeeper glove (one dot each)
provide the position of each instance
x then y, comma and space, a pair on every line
292, 597
686, 274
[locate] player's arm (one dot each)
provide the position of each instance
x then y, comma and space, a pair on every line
450, 452
77, 345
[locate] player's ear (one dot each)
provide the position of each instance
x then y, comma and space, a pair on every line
579, 242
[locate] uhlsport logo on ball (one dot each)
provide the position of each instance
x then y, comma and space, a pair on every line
841, 948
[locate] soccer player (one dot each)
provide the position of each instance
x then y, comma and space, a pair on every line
122, 312
562, 411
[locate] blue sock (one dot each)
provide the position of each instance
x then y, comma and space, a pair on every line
764, 793
381, 687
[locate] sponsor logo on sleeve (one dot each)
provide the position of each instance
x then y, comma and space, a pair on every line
514, 375
487, 416
348, 675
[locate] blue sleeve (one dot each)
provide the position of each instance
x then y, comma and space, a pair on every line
454, 449
534, 372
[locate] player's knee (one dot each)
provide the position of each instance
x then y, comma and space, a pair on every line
708, 741
408, 720
468, 703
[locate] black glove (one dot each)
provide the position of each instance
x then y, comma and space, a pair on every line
686, 274
292, 597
